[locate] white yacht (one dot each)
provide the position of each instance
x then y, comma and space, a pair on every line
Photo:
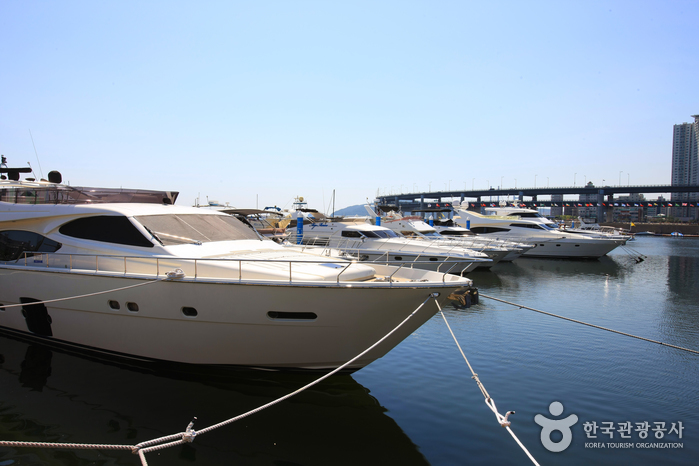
374, 243
448, 234
549, 241
587, 229
149, 280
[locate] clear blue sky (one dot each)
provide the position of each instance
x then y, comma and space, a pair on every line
256, 102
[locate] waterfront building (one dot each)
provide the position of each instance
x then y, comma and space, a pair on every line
557, 205
685, 165
587, 209
629, 208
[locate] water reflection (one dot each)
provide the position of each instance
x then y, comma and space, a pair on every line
36, 367
52, 395
566, 268
681, 309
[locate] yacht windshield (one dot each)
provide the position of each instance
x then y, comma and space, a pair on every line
195, 228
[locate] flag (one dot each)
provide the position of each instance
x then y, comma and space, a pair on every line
633, 224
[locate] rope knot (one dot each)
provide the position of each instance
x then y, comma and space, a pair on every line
504, 422
190, 433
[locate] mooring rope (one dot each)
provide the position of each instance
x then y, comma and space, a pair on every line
169, 276
637, 256
188, 436
590, 325
502, 420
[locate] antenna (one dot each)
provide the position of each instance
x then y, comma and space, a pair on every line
37, 155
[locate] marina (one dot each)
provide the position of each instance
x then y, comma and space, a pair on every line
349, 233
417, 404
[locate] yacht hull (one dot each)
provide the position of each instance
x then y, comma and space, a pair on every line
569, 249
314, 326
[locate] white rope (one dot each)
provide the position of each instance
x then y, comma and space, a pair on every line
502, 420
188, 436
170, 275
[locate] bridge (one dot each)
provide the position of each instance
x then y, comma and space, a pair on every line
603, 195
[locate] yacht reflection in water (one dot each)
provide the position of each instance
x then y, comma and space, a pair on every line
52, 395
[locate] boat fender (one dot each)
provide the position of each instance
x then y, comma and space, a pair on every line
461, 298
474, 295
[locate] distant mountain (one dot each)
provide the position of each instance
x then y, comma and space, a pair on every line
352, 211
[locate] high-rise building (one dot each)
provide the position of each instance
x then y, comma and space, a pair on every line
685, 164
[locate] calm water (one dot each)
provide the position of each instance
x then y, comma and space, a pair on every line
417, 405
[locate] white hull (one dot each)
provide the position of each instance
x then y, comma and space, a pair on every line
233, 324
570, 249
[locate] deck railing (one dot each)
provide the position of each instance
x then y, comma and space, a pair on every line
354, 248
237, 269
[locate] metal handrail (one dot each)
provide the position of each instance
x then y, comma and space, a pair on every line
101, 266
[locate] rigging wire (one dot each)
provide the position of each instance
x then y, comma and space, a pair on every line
36, 153
590, 325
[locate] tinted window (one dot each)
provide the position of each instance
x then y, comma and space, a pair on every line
535, 226
351, 234
455, 233
106, 228
488, 229
15, 242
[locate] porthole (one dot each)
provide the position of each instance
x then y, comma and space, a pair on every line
541, 245
133, 307
189, 311
398, 258
577, 245
433, 259
114, 304
558, 245
280, 315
